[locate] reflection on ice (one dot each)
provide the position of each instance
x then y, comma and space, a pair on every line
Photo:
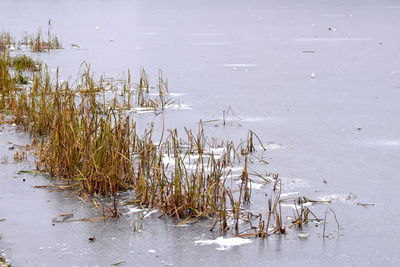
211, 43
337, 39
239, 65
389, 142
384, 142
332, 15
196, 34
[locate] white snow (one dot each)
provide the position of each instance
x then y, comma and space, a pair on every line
283, 195
224, 243
303, 235
135, 210
333, 198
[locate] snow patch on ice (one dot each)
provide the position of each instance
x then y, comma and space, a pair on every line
146, 212
224, 243
334, 198
283, 195
135, 210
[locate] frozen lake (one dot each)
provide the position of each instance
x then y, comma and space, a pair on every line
318, 79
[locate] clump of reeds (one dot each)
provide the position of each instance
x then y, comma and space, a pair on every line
40, 42
20, 156
89, 141
25, 63
7, 82
143, 90
98, 150
302, 215
7, 41
261, 225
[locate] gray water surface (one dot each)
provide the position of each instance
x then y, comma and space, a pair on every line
329, 97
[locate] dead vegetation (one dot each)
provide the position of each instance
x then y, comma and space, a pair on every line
37, 42
40, 42
3, 262
88, 141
